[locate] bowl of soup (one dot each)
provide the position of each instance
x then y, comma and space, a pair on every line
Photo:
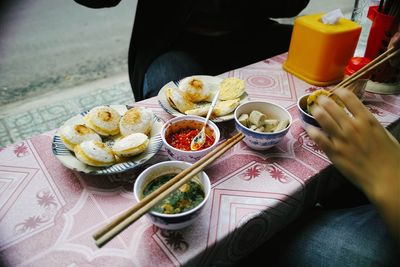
181, 208
178, 133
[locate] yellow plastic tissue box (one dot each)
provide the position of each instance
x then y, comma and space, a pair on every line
318, 52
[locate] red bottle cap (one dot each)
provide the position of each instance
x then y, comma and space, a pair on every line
356, 63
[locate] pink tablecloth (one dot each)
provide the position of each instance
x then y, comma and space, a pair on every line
49, 213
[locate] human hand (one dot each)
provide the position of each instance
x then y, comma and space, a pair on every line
360, 148
355, 144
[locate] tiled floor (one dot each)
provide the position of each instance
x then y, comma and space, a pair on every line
41, 115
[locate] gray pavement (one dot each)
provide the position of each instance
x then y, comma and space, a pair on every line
58, 58
52, 45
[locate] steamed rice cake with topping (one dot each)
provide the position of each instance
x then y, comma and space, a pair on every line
72, 135
131, 145
94, 153
104, 120
136, 120
194, 89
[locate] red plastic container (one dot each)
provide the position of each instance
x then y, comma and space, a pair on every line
382, 29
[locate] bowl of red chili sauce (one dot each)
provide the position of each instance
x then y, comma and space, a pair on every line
178, 133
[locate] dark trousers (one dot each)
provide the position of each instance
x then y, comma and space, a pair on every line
193, 54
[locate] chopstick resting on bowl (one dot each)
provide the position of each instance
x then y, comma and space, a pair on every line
388, 54
135, 212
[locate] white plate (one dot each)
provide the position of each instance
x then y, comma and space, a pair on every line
69, 160
162, 98
383, 88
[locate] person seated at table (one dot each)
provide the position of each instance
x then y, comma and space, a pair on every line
369, 157
174, 39
362, 150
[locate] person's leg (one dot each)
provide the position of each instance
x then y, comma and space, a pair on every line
195, 54
346, 237
173, 65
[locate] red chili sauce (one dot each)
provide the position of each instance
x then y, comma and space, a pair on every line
182, 139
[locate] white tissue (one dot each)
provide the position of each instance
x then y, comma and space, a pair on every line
332, 17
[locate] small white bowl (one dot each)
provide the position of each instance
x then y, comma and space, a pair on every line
262, 140
306, 118
171, 221
193, 122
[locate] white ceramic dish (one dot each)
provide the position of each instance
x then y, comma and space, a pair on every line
68, 159
174, 84
383, 88
171, 221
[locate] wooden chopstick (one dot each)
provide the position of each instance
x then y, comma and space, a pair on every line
388, 54
132, 214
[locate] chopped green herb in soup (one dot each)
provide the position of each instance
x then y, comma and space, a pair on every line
185, 198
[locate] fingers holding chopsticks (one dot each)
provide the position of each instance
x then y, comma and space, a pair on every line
354, 105
329, 115
338, 125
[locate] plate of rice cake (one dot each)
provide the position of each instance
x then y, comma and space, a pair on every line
193, 96
108, 139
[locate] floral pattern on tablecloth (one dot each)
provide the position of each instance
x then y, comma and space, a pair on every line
49, 213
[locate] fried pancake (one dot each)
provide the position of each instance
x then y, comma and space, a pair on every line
200, 110
226, 107
231, 88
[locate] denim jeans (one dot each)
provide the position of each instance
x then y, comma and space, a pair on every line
173, 65
194, 54
353, 236
346, 237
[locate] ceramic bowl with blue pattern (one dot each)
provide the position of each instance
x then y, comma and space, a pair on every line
178, 220
262, 140
306, 118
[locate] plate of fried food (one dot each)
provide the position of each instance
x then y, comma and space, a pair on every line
108, 139
193, 96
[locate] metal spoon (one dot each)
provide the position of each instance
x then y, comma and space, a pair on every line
199, 140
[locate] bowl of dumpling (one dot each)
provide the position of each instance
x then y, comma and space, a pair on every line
263, 123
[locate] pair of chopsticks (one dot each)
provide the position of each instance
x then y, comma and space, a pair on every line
132, 214
388, 54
